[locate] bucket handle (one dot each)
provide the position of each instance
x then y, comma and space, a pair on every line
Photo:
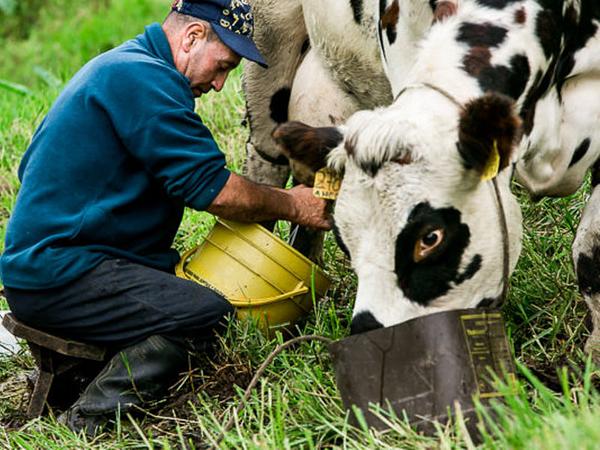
300, 289
179, 267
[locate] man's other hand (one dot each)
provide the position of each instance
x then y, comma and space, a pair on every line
310, 211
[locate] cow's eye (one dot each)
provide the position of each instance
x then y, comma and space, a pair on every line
427, 244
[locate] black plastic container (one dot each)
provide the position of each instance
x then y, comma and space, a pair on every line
423, 366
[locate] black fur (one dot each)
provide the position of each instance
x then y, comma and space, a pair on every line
339, 240
580, 151
363, 322
497, 4
470, 270
481, 35
547, 28
279, 105
588, 272
305, 46
510, 81
424, 281
596, 174
357, 7
486, 302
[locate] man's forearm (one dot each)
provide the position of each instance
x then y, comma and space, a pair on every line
246, 201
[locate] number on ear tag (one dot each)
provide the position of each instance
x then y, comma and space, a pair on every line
327, 184
493, 164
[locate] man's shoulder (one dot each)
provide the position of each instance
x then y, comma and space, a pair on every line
130, 59
126, 67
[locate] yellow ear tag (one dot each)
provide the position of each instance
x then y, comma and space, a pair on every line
493, 164
327, 184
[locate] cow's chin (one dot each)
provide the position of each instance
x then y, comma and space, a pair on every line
398, 309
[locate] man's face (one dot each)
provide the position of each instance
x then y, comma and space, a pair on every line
209, 65
205, 62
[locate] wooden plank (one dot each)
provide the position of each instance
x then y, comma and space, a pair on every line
63, 346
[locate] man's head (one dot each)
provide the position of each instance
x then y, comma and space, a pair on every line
208, 38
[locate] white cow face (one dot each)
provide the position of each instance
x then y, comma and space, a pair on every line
421, 228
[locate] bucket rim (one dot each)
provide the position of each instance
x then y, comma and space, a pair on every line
230, 223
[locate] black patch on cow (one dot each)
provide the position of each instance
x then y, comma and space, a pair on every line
481, 35
539, 87
380, 28
382, 7
279, 105
596, 174
392, 34
470, 270
389, 21
510, 81
547, 29
497, 4
339, 240
363, 322
520, 16
578, 33
486, 303
433, 4
477, 60
431, 278
357, 9
588, 272
580, 151
369, 167
305, 46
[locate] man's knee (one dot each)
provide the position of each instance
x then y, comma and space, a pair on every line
208, 308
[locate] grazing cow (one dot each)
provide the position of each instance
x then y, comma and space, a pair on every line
425, 227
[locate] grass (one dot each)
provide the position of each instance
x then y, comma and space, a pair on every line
296, 405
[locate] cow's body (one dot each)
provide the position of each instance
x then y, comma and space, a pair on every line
422, 228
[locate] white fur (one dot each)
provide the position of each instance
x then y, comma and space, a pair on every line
559, 130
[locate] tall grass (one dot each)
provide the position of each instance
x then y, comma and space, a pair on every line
296, 404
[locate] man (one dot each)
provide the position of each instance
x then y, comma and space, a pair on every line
104, 184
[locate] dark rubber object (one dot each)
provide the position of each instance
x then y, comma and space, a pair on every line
421, 367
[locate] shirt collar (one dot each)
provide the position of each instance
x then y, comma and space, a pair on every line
155, 39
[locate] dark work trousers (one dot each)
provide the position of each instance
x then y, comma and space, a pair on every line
120, 303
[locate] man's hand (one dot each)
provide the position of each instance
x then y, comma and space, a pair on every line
311, 211
246, 201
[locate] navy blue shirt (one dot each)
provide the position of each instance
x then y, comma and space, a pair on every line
110, 169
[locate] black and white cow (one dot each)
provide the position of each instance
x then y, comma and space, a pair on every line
499, 84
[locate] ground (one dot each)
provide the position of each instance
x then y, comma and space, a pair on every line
296, 405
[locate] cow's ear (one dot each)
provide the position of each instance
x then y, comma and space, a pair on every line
487, 134
305, 144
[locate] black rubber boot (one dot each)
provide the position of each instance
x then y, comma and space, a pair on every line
133, 377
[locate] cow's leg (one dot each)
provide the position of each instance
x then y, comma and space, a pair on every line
586, 256
281, 36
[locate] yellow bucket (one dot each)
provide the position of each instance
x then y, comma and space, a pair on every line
261, 275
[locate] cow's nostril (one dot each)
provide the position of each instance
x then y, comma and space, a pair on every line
363, 322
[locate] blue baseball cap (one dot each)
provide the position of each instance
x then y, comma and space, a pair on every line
231, 20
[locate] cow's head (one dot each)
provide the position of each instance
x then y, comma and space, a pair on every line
420, 225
